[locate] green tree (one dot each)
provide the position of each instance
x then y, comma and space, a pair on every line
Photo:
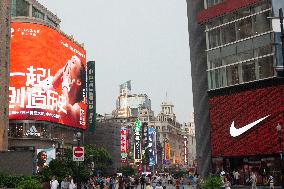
212, 182
30, 183
127, 170
64, 166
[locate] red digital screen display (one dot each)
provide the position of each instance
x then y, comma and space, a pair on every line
47, 76
244, 123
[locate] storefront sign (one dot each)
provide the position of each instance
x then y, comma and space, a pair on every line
137, 141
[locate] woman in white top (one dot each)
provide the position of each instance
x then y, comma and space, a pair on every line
158, 186
227, 183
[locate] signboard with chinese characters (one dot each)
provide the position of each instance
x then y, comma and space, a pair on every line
137, 141
124, 144
185, 150
167, 151
47, 76
91, 96
151, 146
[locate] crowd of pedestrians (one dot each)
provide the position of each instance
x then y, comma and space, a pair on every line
123, 182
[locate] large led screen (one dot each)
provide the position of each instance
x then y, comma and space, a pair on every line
47, 76
244, 123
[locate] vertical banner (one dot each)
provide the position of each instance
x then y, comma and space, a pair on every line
124, 144
137, 141
91, 96
152, 146
167, 151
185, 146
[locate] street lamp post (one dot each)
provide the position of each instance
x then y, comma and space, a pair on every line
279, 131
78, 138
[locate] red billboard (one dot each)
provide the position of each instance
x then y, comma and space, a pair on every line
244, 123
47, 76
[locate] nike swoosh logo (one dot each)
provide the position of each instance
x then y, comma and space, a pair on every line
237, 132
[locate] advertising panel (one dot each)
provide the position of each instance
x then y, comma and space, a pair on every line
137, 141
91, 96
124, 144
244, 123
44, 157
185, 150
47, 76
152, 146
167, 151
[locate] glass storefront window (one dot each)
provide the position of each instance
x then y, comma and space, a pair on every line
214, 38
228, 33
37, 13
244, 28
16, 130
248, 71
232, 75
266, 67
261, 23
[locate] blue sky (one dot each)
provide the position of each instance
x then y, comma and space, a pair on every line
144, 41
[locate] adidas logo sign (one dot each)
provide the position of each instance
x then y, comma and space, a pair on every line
32, 132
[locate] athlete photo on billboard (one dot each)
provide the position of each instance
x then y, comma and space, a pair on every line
71, 79
44, 157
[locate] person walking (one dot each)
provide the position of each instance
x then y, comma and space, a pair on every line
271, 182
227, 183
237, 177
158, 186
177, 183
54, 183
142, 181
253, 180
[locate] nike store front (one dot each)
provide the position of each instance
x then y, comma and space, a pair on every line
244, 136
246, 99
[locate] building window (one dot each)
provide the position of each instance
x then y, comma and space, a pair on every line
51, 22
232, 75
19, 8
248, 71
244, 28
37, 14
238, 26
214, 38
228, 33
265, 67
244, 66
230, 59
211, 3
215, 63
245, 55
